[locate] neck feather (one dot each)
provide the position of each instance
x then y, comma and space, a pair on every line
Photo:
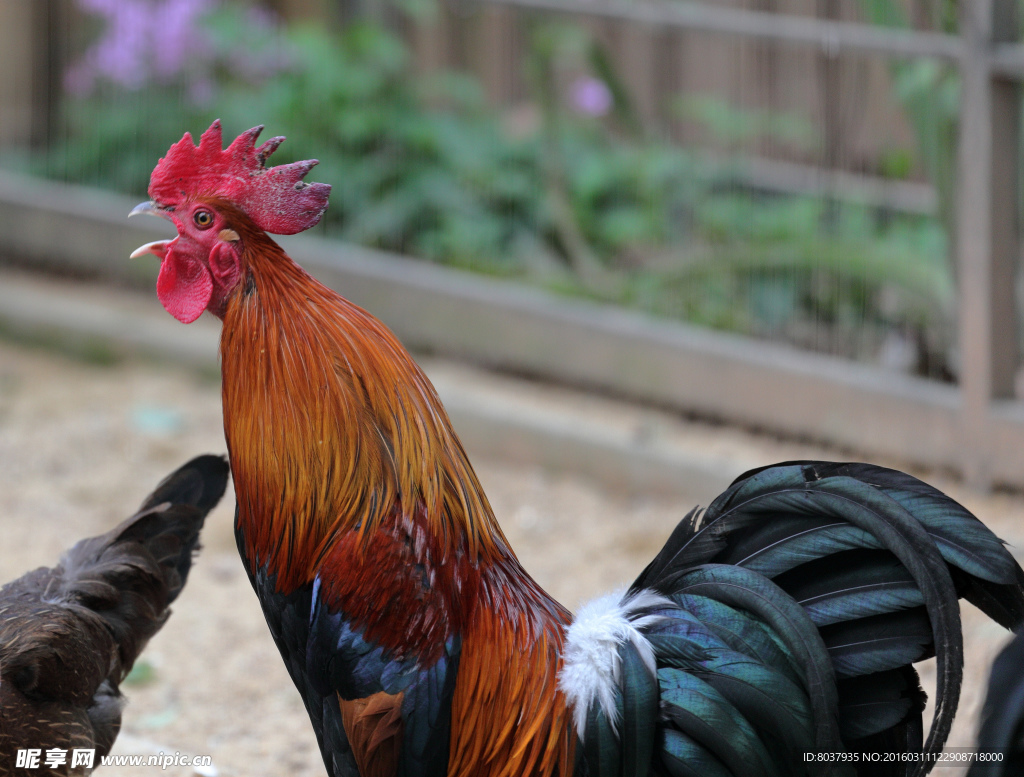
346, 465
331, 425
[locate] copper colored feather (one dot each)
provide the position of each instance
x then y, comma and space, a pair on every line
374, 727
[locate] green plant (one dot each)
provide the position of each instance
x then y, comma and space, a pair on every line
590, 203
735, 126
929, 92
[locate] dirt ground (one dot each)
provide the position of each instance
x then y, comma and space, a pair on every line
81, 444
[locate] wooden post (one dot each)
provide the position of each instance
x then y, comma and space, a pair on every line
33, 52
987, 243
495, 53
636, 51
16, 76
429, 41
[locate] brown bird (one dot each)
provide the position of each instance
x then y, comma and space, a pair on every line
70, 634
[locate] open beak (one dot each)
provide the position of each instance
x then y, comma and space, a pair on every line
158, 247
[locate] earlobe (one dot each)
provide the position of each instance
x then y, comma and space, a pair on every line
225, 265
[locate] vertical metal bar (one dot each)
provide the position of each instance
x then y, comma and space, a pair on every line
986, 239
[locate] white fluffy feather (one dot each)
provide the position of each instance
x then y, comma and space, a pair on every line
591, 667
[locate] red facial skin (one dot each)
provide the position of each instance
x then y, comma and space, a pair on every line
202, 266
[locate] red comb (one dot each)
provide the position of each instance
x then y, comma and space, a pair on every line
275, 198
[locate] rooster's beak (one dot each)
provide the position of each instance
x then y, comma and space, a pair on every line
150, 208
158, 247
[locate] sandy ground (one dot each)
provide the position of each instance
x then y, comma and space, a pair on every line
81, 444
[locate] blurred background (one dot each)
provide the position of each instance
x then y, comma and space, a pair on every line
798, 172
642, 245
798, 193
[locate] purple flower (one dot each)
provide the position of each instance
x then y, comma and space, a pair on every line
142, 39
176, 39
591, 96
202, 92
260, 18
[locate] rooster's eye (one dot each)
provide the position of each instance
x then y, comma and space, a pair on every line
203, 219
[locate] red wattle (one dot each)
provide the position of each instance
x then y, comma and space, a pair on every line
184, 286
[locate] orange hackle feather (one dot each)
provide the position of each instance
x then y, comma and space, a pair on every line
510, 722
334, 425
346, 465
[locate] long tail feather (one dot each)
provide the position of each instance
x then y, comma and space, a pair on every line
683, 757
640, 706
851, 585
741, 588
873, 703
702, 713
819, 585
791, 491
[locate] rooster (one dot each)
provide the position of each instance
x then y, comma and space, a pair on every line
773, 635
70, 634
